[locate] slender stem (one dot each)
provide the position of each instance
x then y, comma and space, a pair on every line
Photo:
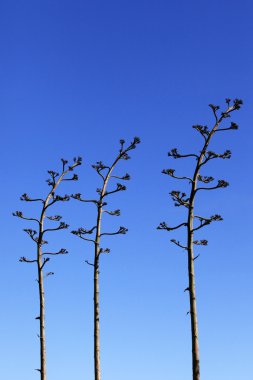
42, 317
97, 370
192, 295
41, 260
191, 271
43, 374
40, 265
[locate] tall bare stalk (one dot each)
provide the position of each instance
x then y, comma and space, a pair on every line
188, 201
42, 258
106, 173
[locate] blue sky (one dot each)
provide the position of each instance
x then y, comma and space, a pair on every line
75, 78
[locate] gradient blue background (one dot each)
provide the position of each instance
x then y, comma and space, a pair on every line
76, 76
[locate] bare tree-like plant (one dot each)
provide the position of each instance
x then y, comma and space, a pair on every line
95, 234
187, 201
38, 236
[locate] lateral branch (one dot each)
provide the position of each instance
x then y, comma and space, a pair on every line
178, 244
171, 172
121, 230
179, 198
174, 154
164, 226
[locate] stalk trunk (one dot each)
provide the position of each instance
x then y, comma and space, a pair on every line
42, 320
193, 304
191, 274
96, 321
97, 370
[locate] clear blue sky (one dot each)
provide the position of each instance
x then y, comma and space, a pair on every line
76, 76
